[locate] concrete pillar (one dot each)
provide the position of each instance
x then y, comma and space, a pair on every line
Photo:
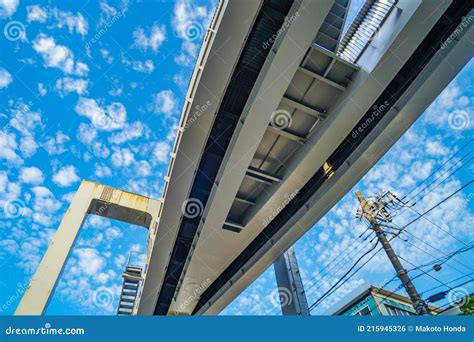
290, 286
90, 198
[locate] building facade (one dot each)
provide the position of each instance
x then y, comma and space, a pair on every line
373, 301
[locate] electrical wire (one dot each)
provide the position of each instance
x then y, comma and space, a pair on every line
321, 298
341, 281
439, 168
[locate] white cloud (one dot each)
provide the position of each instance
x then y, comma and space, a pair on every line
189, 51
45, 206
69, 196
8, 190
41, 89
28, 146
161, 151
66, 176
8, 147
36, 13
107, 56
8, 7
5, 78
164, 102
113, 233
110, 14
142, 168
56, 145
58, 56
24, 120
73, 22
189, 23
130, 132
122, 157
102, 171
110, 118
146, 66
31, 175
451, 105
90, 261
68, 85
86, 133
152, 39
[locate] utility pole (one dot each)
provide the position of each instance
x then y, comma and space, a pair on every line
375, 211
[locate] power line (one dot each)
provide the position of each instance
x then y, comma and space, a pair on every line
433, 207
327, 293
452, 281
436, 249
344, 260
439, 168
461, 165
342, 278
440, 261
353, 248
438, 226
347, 253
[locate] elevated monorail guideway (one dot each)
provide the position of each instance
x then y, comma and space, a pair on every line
267, 183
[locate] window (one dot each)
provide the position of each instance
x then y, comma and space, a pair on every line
364, 312
394, 311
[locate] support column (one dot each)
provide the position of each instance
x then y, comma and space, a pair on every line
90, 198
290, 286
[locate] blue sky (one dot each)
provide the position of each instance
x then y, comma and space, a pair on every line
93, 90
